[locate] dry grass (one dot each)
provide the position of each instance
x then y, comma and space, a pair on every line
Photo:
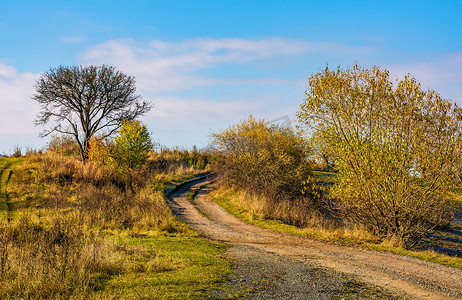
301, 212
52, 260
104, 198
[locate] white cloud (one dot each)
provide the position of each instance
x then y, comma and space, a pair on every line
17, 109
193, 112
166, 66
443, 74
195, 86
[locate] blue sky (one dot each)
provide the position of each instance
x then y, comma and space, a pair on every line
208, 64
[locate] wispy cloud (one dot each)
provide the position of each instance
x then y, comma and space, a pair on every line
190, 120
443, 74
164, 66
196, 112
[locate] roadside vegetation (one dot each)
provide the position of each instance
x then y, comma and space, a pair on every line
381, 159
95, 229
269, 160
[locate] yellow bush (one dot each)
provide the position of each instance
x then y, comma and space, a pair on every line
396, 147
265, 158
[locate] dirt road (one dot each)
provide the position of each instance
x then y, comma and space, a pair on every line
272, 265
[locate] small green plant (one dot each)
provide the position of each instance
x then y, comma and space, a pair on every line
131, 145
191, 195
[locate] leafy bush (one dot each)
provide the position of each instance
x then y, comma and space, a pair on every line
99, 150
270, 159
131, 145
169, 160
396, 148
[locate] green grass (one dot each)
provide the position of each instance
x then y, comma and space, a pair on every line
442, 259
192, 267
337, 235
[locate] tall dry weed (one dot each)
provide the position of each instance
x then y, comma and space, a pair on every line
310, 221
51, 260
109, 208
300, 212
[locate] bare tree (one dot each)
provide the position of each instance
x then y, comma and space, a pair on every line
83, 100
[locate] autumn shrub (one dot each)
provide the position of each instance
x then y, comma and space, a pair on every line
170, 161
264, 158
16, 152
396, 148
99, 150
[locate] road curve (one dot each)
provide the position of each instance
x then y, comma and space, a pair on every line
400, 275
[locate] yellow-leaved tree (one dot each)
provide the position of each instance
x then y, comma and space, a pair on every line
396, 148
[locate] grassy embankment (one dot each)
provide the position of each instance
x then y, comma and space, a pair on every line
86, 231
254, 210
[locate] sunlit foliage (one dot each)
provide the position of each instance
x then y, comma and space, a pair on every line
396, 148
131, 145
263, 157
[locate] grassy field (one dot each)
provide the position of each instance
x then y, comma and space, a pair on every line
77, 230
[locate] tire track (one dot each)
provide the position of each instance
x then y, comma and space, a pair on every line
5, 176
